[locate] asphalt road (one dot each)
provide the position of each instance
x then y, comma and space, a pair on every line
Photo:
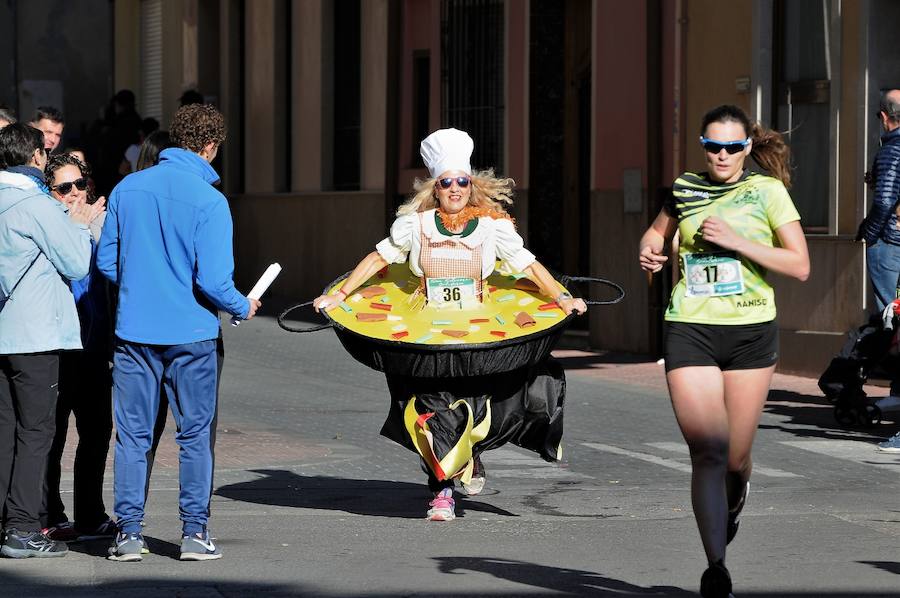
311, 501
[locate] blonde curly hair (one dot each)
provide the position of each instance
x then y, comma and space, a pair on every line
488, 191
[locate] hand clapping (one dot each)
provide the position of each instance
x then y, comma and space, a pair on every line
84, 213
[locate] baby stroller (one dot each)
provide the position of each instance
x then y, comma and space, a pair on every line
871, 347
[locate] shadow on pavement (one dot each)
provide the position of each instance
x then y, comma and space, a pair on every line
816, 415
382, 498
559, 582
147, 587
889, 566
99, 548
569, 581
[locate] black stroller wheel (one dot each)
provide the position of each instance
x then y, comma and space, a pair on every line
870, 416
834, 396
845, 416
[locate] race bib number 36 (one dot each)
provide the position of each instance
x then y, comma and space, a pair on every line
713, 274
450, 290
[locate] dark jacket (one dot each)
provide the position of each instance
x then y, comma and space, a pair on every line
881, 223
92, 300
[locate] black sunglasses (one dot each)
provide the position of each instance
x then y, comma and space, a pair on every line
66, 188
732, 147
462, 181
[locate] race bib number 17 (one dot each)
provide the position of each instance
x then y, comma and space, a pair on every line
713, 274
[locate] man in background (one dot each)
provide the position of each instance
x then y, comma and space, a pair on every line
881, 229
7, 117
49, 121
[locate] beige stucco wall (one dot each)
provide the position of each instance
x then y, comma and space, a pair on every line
718, 50
314, 236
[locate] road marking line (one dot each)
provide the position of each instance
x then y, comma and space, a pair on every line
533, 473
682, 449
863, 453
509, 462
677, 465
508, 456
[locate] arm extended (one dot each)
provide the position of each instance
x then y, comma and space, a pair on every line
364, 270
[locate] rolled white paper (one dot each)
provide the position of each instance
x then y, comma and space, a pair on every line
261, 286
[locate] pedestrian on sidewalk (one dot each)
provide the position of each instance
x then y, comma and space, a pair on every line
167, 244
881, 232
150, 150
85, 384
721, 334
42, 248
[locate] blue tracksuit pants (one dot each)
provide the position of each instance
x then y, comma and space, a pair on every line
187, 374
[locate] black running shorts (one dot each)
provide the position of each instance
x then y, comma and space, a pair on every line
741, 347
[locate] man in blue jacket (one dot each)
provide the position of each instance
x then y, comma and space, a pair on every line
167, 244
41, 246
881, 229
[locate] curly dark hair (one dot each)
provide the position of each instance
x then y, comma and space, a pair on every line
57, 161
196, 125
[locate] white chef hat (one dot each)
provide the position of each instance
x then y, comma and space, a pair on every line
445, 150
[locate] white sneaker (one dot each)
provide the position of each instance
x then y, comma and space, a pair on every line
476, 484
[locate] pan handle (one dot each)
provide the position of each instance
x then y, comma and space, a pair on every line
284, 314
566, 279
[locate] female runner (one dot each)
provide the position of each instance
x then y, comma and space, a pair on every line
721, 333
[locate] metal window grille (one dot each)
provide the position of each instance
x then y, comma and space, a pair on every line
472, 75
151, 100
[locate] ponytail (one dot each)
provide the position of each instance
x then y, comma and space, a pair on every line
771, 152
769, 149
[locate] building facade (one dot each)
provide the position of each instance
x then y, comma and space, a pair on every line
592, 106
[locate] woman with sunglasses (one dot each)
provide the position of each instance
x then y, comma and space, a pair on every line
85, 384
454, 225
721, 334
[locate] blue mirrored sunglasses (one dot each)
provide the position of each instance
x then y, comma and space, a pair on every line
732, 147
462, 181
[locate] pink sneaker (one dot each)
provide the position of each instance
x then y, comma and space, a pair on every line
443, 507
62, 532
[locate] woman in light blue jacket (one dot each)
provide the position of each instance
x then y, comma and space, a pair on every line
42, 247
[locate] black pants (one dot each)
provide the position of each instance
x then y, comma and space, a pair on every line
85, 389
28, 392
160, 426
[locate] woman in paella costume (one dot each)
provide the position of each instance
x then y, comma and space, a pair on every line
451, 233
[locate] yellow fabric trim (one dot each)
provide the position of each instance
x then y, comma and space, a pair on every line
457, 457
458, 462
420, 436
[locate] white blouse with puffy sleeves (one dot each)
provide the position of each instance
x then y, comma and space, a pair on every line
497, 238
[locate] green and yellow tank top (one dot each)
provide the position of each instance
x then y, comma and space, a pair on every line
719, 286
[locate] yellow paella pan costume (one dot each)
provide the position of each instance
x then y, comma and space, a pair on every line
462, 336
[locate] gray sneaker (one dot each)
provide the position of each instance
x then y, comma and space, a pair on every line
23, 545
199, 547
891, 445
126, 547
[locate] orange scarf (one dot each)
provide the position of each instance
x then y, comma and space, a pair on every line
458, 221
